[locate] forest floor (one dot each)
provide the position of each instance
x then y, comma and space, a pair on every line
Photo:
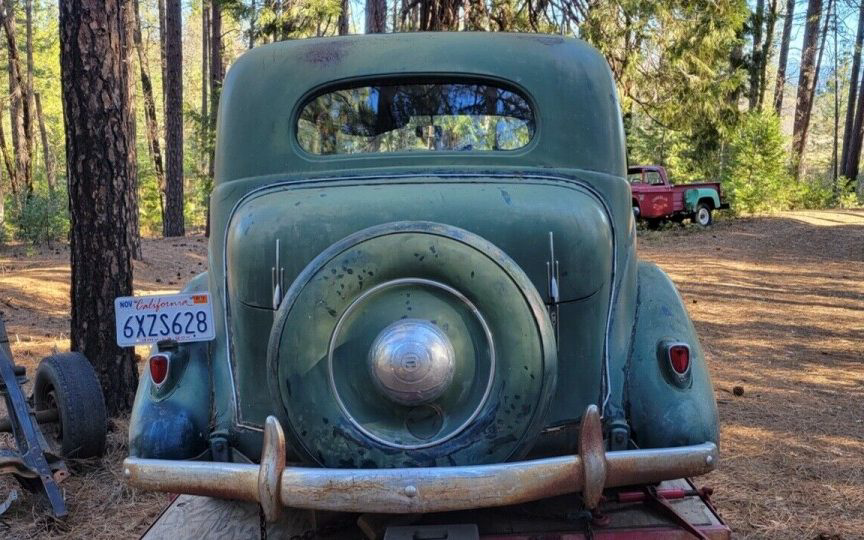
778, 303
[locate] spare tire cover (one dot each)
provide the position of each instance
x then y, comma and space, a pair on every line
412, 344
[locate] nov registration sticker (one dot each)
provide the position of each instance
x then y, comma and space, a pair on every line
148, 319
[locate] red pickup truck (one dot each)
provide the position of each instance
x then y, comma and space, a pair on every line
655, 199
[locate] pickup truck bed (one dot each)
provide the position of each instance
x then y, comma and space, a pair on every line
190, 517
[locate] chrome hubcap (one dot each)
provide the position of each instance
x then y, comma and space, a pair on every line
412, 362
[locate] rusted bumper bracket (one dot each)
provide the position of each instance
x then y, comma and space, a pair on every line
422, 490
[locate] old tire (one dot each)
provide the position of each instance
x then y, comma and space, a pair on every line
402, 284
68, 383
703, 215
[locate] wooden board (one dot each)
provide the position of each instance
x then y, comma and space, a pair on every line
191, 517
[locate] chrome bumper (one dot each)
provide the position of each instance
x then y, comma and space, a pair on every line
421, 490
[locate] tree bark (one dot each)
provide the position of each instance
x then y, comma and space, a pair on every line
854, 157
376, 16
100, 166
216, 76
849, 125
253, 18
7, 158
153, 145
806, 84
162, 50
173, 224
344, 16
47, 154
770, 21
28, 12
205, 82
756, 55
784, 56
127, 19
22, 122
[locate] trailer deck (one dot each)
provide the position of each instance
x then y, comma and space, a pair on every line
191, 516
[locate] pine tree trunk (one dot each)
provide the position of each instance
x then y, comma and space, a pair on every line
806, 84
770, 21
205, 82
153, 144
344, 16
253, 20
848, 126
8, 8
216, 75
784, 56
173, 225
376, 16
47, 155
7, 158
101, 170
756, 55
127, 19
22, 121
854, 158
163, 61
28, 13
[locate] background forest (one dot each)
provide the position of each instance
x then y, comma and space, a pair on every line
761, 96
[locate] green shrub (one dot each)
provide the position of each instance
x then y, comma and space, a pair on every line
43, 218
757, 178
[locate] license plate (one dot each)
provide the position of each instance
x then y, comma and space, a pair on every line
143, 320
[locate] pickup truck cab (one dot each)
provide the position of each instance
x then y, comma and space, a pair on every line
655, 199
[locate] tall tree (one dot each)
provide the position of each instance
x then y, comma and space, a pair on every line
376, 16
205, 49
853, 94
100, 164
154, 147
127, 45
784, 56
22, 119
216, 73
770, 21
47, 152
172, 224
756, 54
344, 17
806, 83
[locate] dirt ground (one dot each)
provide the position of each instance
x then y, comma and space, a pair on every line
779, 306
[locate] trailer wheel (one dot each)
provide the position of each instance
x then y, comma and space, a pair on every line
703, 215
66, 382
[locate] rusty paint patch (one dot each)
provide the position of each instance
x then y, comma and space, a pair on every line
329, 52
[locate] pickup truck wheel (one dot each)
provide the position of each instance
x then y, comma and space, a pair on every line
636, 212
703, 215
67, 383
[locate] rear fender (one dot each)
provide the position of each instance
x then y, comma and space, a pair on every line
662, 411
692, 198
172, 422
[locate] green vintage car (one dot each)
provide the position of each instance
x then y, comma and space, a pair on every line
426, 290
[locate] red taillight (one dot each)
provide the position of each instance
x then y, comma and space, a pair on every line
159, 368
679, 357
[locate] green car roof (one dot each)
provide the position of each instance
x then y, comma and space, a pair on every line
568, 83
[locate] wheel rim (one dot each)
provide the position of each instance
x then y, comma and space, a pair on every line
56, 431
703, 216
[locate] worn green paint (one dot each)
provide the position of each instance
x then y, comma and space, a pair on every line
570, 179
692, 198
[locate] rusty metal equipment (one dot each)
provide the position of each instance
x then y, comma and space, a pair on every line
36, 466
421, 490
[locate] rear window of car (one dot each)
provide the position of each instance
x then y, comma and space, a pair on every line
416, 117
